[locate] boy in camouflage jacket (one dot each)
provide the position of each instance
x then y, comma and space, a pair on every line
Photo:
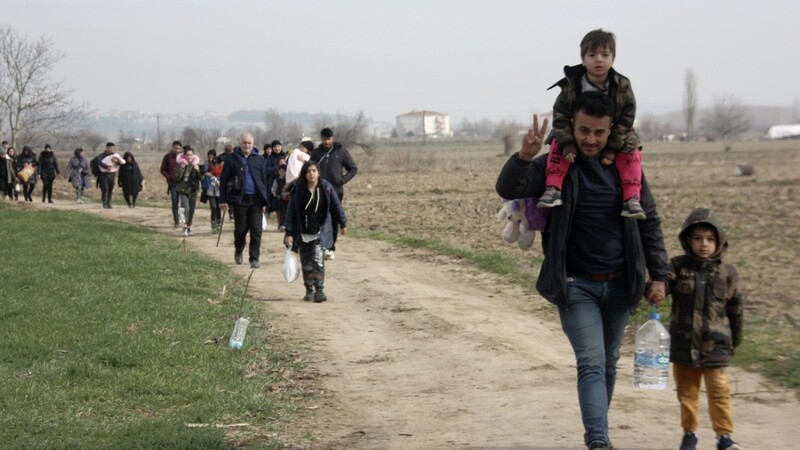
706, 325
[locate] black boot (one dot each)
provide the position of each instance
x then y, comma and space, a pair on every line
319, 296
309, 294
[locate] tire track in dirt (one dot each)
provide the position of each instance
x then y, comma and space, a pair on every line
419, 352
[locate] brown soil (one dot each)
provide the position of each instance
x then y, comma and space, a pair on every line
417, 351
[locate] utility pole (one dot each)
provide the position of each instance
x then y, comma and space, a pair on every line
158, 132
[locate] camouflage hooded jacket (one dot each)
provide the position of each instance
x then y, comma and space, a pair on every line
623, 137
706, 323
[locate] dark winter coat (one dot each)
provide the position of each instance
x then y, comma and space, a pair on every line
168, 165
643, 239
332, 163
707, 307
130, 178
29, 158
48, 165
294, 215
623, 137
234, 169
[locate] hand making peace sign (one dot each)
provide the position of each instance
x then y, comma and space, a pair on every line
532, 142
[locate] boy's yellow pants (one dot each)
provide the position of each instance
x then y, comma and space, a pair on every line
687, 382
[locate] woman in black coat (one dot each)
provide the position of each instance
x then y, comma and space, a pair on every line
11, 174
130, 179
48, 169
25, 159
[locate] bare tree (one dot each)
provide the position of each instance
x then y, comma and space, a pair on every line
727, 117
275, 124
689, 103
352, 132
86, 138
294, 131
30, 102
507, 132
200, 138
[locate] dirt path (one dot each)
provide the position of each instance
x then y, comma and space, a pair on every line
419, 352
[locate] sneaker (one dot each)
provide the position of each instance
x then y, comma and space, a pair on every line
329, 254
689, 441
320, 296
237, 256
551, 198
726, 443
281, 228
599, 446
309, 295
189, 232
254, 264
632, 208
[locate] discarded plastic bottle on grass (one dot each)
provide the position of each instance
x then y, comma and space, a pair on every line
651, 360
239, 330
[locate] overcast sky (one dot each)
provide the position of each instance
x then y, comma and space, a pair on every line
472, 59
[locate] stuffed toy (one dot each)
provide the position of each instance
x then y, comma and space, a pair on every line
524, 220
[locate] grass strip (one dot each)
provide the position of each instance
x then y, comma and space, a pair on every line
112, 337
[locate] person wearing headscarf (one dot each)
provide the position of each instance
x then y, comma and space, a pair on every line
79, 174
130, 179
26, 171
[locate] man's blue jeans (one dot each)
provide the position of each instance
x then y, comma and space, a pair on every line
173, 195
594, 321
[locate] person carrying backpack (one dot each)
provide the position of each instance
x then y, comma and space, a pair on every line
108, 167
168, 165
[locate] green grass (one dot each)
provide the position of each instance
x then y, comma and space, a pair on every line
104, 340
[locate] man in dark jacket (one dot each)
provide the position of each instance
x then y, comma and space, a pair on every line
243, 184
594, 259
337, 167
168, 165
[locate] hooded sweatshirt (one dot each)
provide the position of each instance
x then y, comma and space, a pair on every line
707, 307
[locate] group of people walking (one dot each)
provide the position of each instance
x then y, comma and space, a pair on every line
19, 173
304, 189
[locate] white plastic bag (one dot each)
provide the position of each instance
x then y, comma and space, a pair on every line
291, 267
264, 221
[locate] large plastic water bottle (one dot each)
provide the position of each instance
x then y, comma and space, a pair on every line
239, 330
651, 361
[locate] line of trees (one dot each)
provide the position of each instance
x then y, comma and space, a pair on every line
33, 107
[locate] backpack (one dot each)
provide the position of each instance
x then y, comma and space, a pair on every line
95, 163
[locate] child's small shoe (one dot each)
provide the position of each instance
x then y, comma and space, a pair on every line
632, 208
689, 441
726, 443
551, 198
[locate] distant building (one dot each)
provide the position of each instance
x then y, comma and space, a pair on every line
423, 123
